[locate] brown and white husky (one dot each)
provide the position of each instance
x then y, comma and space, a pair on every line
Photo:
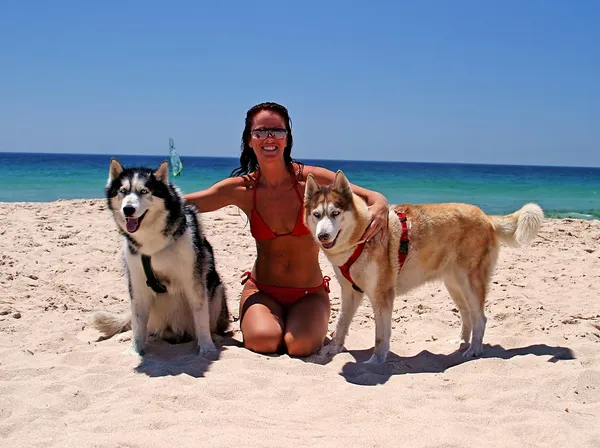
453, 242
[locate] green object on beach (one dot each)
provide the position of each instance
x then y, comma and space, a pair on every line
176, 163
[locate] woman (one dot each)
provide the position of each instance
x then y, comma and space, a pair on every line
285, 298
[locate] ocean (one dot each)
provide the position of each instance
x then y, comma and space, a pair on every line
561, 191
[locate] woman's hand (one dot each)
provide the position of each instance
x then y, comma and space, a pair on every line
379, 220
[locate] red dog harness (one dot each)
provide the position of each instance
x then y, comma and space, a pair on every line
402, 252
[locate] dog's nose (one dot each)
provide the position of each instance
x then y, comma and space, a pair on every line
128, 210
323, 236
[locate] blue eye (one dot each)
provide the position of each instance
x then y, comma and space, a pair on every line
316, 215
143, 191
335, 213
123, 191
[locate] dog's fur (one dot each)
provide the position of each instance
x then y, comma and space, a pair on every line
457, 243
151, 214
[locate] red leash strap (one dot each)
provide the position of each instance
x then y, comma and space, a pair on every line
247, 274
404, 242
345, 268
326, 280
402, 252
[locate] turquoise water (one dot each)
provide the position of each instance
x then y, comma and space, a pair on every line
561, 191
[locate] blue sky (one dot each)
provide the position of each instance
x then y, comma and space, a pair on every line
514, 82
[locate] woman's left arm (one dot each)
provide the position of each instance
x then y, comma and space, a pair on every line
377, 203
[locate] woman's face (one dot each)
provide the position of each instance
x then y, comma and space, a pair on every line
268, 136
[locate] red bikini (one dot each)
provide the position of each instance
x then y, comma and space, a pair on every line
286, 296
261, 232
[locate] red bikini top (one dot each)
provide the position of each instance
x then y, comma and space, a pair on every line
261, 231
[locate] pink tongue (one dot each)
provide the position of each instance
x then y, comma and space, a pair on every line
132, 224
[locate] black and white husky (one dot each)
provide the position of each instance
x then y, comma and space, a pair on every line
174, 287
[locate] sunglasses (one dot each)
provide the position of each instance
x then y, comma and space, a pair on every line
264, 133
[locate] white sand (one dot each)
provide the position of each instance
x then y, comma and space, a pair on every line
538, 383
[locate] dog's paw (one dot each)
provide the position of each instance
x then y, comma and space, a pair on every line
473, 352
207, 349
135, 349
376, 359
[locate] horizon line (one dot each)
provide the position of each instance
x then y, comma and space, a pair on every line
308, 158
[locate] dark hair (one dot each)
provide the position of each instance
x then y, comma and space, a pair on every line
248, 161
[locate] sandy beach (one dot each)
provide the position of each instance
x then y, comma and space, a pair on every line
538, 383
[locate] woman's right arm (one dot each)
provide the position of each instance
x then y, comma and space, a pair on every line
229, 191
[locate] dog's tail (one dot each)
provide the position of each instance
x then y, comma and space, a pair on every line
520, 227
110, 324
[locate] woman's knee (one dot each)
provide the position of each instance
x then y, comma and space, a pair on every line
302, 346
262, 340
306, 325
261, 323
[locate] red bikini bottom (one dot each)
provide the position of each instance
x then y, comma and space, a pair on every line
286, 296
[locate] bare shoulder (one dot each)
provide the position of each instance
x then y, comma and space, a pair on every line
239, 189
229, 191
239, 183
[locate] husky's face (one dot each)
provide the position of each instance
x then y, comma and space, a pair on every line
136, 195
329, 211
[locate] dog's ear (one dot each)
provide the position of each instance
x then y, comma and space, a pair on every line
341, 184
312, 186
162, 172
114, 170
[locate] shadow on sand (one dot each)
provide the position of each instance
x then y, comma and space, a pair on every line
165, 359
427, 362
